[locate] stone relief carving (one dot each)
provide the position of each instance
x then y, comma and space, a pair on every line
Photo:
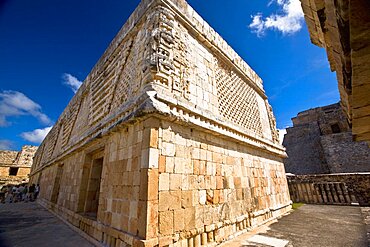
161, 50
272, 120
166, 53
182, 64
237, 100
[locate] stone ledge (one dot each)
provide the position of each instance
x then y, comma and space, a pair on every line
101, 235
150, 102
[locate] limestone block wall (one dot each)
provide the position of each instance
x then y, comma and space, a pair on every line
304, 149
344, 155
21, 177
168, 183
123, 187
17, 162
209, 185
169, 141
320, 141
22, 171
4, 171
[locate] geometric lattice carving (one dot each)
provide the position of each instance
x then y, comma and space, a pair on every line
272, 121
103, 87
51, 141
160, 50
81, 120
100, 89
69, 121
166, 54
237, 100
129, 78
158, 53
181, 61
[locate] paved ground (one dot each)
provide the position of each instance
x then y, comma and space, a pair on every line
28, 224
311, 226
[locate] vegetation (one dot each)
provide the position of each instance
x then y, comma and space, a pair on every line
297, 205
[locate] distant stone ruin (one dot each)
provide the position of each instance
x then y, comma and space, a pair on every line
343, 29
170, 141
16, 166
320, 141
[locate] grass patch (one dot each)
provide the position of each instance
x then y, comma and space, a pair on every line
297, 205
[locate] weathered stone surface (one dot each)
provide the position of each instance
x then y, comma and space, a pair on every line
16, 166
320, 141
171, 121
343, 29
341, 189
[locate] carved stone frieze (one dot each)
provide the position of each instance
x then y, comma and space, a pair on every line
166, 54
272, 120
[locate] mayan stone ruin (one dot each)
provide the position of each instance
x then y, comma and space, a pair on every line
170, 141
343, 29
321, 142
16, 166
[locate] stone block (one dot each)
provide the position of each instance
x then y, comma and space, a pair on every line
202, 197
179, 220
153, 143
189, 218
169, 200
175, 181
162, 164
164, 181
168, 149
170, 164
187, 198
166, 222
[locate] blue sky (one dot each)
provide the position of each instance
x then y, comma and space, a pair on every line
48, 47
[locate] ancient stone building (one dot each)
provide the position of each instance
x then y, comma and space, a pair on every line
170, 141
16, 166
342, 27
320, 141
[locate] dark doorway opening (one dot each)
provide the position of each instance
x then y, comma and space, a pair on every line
13, 171
56, 187
90, 186
335, 128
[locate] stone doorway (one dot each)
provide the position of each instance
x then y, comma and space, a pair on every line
91, 181
13, 171
56, 187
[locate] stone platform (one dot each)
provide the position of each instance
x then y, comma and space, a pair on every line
28, 224
311, 226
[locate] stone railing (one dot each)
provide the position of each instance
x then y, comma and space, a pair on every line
339, 189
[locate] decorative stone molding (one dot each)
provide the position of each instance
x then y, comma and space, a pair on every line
170, 140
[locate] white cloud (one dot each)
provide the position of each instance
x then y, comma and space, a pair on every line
13, 103
71, 81
6, 145
37, 135
289, 22
282, 133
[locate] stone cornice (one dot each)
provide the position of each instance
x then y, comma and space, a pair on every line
151, 103
158, 75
